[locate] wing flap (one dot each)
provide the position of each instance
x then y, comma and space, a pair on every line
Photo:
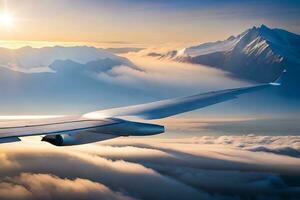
12, 132
9, 140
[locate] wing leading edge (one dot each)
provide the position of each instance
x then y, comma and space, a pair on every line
170, 107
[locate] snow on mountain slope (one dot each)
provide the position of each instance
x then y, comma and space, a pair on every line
210, 47
259, 53
30, 60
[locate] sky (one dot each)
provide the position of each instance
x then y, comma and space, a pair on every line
141, 22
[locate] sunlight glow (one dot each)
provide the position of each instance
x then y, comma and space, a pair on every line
6, 19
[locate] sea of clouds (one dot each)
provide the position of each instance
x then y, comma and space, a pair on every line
204, 167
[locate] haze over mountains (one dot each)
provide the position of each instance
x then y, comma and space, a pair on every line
122, 50
259, 53
31, 60
59, 75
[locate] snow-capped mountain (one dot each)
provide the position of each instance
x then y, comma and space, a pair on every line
210, 47
29, 60
259, 53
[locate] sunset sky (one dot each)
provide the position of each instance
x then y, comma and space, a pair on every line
141, 22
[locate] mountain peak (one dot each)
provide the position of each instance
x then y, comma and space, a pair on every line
259, 53
264, 27
264, 32
259, 29
231, 37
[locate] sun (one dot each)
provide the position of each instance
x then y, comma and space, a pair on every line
6, 19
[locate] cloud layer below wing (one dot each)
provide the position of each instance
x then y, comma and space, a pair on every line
215, 167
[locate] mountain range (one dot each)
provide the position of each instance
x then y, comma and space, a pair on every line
55, 76
34, 60
259, 53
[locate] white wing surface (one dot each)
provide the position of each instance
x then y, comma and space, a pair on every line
170, 107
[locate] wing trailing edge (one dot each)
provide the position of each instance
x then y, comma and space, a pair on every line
9, 140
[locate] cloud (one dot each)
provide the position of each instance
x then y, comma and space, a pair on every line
220, 152
45, 186
165, 79
280, 150
123, 75
12, 191
5, 162
208, 167
119, 175
215, 125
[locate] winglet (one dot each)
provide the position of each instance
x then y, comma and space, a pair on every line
278, 81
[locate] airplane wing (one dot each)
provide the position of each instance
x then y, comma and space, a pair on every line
111, 123
170, 107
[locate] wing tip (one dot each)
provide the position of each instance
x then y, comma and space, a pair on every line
278, 81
